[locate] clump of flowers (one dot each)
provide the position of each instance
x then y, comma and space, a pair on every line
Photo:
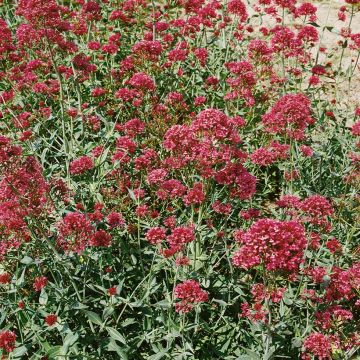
290, 115
81, 165
275, 244
7, 340
189, 293
146, 144
75, 231
317, 344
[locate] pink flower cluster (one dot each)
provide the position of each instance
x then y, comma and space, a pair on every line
81, 165
265, 156
317, 344
275, 244
290, 115
315, 209
75, 231
189, 292
23, 193
7, 340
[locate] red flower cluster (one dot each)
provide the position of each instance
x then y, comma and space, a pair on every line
5, 278
115, 219
179, 237
195, 195
75, 231
40, 283
81, 165
317, 344
155, 235
290, 115
315, 209
190, 293
277, 245
51, 319
7, 340
237, 7
265, 156
100, 238
23, 194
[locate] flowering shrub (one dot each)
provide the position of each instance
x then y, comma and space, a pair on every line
179, 180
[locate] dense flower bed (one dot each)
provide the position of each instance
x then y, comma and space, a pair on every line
177, 182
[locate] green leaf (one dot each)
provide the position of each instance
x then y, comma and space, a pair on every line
221, 302
113, 346
158, 356
314, 24
43, 298
132, 196
54, 352
287, 301
69, 341
163, 304
93, 317
128, 322
79, 306
26, 260
114, 334
252, 355
19, 352
21, 279
296, 342
108, 311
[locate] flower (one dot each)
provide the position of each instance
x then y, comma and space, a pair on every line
334, 246
115, 219
317, 210
278, 245
181, 235
5, 278
156, 176
190, 293
142, 81
155, 235
51, 319
355, 129
7, 340
75, 231
81, 165
306, 150
291, 114
237, 7
112, 291
101, 238
318, 345
40, 283
195, 195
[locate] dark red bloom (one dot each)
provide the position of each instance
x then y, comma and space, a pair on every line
101, 238
40, 283
7, 340
51, 319
112, 291
5, 278
81, 165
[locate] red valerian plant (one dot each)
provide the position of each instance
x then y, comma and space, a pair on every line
146, 144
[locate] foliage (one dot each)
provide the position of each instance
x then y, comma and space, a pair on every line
177, 182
